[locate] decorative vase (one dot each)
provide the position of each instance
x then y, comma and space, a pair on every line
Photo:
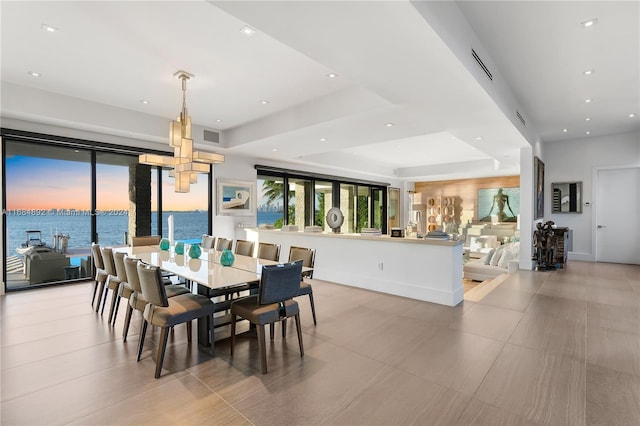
164, 244
195, 251
179, 247
227, 258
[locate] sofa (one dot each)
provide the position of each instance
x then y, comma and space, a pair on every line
45, 267
501, 260
480, 238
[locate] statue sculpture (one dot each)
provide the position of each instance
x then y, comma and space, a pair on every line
545, 243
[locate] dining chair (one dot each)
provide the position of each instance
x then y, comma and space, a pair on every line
101, 274
308, 257
123, 291
223, 244
244, 247
279, 284
112, 279
145, 240
165, 312
269, 251
136, 300
207, 241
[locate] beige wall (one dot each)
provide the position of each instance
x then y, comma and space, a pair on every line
466, 189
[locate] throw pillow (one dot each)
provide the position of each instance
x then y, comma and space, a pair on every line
507, 255
496, 256
487, 258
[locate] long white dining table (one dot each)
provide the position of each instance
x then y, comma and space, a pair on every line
210, 277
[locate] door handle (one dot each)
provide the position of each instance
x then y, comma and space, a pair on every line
601, 226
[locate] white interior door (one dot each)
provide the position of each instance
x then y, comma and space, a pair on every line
617, 225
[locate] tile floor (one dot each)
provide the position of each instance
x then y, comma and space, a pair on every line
543, 348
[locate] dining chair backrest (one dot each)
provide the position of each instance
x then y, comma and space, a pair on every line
146, 240
279, 282
131, 266
223, 244
151, 284
107, 258
96, 254
118, 260
207, 241
269, 251
307, 255
244, 248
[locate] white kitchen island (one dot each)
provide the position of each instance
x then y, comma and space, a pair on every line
429, 270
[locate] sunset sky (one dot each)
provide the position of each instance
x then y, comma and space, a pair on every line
39, 183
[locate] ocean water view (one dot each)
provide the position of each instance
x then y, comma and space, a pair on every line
112, 226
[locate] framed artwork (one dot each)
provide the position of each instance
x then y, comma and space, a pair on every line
236, 197
498, 204
538, 175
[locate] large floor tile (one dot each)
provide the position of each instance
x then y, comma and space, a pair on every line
508, 298
613, 398
612, 296
619, 318
453, 359
560, 307
551, 334
488, 321
565, 289
545, 388
481, 413
614, 350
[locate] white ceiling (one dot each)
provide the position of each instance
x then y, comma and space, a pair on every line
392, 67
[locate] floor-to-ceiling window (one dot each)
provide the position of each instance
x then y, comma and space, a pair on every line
60, 195
310, 196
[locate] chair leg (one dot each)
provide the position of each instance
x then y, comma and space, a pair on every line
262, 346
284, 328
162, 346
212, 334
272, 327
313, 308
102, 286
233, 332
143, 331
95, 290
189, 331
113, 309
127, 322
104, 299
299, 329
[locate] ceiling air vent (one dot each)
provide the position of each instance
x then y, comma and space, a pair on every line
211, 136
524, 123
482, 65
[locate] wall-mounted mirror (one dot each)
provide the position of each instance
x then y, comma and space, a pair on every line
566, 197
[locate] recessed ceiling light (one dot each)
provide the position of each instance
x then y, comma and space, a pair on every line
631, 115
34, 74
323, 139
247, 30
587, 119
588, 101
587, 132
478, 138
389, 124
332, 75
49, 28
76, 150
264, 102
588, 72
218, 120
274, 149
589, 23
144, 101
565, 130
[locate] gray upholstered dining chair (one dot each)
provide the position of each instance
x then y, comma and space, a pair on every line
101, 274
136, 300
244, 247
223, 244
165, 312
308, 257
269, 251
207, 241
112, 279
279, 284
123, 291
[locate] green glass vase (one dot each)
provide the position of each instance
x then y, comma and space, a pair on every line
195, 251
179, 247
227, 258
164, 244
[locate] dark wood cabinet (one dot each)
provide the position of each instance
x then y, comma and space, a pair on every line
563, 245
